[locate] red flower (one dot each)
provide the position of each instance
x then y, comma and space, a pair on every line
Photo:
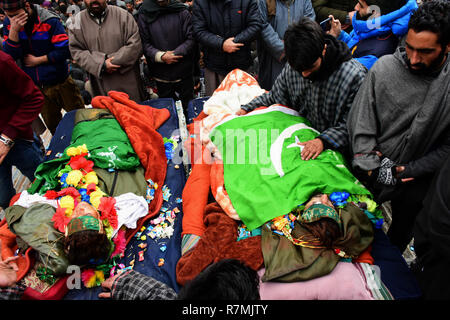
90, 188
108, 211
81, 163
51, 194
71, 191
60, 220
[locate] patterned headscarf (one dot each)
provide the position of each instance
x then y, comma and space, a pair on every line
319, 211
83, 223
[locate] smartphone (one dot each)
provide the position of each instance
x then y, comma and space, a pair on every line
326, 24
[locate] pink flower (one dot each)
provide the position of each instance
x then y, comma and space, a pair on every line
119, 243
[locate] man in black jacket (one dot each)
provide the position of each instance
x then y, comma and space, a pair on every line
169, 48
432, 238
225, 30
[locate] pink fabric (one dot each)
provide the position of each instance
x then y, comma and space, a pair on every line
345, 282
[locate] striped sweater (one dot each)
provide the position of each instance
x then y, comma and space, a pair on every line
48, 38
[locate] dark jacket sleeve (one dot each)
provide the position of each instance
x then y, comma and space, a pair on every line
187, 46
19, 84
60, 42
254, 24
200, 27
429, 163
148, 49
323, 10
14, 49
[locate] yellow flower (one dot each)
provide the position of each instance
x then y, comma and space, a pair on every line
371, 205
95, 279
91, 177
100, 276
68, 203
72, 151
75, 151
68, 212
95, 197
74, 177
82, 149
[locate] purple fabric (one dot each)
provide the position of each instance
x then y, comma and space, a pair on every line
345, 282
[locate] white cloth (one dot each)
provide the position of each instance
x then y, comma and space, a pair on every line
237, 89
130, 208
26, 200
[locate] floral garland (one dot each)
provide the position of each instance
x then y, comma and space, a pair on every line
80, 183
283, 225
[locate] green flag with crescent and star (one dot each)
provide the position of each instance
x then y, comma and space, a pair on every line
264, 174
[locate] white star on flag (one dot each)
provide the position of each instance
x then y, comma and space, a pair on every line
296, 144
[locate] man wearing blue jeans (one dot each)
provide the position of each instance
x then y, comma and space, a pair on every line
20, 104
26, 156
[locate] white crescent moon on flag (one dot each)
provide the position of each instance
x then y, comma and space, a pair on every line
277, 147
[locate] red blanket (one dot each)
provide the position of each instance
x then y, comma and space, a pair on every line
140, 123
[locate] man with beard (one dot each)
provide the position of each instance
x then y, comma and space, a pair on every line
320, 80
399, 124
367, 42
36, 37
105, 41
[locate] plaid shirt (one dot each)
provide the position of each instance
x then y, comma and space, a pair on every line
133, 285
324, 103
12, 293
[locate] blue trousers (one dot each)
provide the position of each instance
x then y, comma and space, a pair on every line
24, 155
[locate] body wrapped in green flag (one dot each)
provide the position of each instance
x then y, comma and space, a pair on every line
264, 174
108, 145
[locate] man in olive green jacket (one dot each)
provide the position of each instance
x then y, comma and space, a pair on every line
340, 9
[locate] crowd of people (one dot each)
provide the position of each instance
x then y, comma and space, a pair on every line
372, 76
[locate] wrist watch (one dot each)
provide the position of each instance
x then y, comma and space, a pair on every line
8, 142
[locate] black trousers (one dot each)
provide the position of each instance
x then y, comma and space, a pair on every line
182, 90
406, 203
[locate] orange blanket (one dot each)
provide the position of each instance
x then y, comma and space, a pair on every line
140, 123
196, 191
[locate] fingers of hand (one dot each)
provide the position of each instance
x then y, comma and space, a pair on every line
312, 149
106, 295
310, 154
10, 259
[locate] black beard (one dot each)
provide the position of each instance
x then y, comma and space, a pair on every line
97, 11
423, 69
362, 18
